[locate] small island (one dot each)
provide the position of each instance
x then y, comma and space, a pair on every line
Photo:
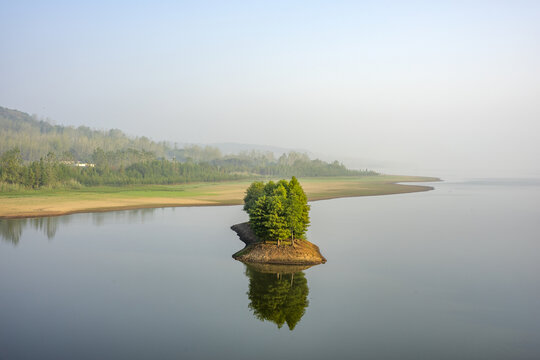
278, 220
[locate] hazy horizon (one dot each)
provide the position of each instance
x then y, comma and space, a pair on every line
420, 88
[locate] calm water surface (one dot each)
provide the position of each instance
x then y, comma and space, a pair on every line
452, 273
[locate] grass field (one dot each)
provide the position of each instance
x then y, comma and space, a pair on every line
108, 198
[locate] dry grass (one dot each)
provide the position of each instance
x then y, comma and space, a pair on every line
60, 202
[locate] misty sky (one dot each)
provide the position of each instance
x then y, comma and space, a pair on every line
413, 87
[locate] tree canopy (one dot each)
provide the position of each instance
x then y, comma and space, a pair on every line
277, 210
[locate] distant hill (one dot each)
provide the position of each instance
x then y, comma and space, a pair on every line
36, 138
36, 154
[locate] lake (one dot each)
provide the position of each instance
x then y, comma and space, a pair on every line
452, 273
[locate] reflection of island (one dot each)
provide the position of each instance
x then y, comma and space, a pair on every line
11, 230
278, 293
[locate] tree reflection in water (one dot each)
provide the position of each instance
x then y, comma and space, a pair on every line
278, 293
11, 230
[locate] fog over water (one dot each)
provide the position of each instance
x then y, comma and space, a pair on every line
416, 87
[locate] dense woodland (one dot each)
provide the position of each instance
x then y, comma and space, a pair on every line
36, 154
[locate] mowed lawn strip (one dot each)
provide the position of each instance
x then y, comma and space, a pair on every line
34, 203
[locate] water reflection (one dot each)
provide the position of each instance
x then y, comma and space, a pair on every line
11, 230
139, 216
278, 293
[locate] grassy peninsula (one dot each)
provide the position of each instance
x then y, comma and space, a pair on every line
51, 202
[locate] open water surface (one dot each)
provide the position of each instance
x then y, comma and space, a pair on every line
452, 273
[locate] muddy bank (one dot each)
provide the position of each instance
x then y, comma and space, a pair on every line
278, 268
302, 253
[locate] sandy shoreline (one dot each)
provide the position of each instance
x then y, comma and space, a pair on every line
31, 206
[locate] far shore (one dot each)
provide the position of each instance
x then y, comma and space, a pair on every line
40, 203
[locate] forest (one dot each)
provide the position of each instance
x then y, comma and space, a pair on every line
36, 154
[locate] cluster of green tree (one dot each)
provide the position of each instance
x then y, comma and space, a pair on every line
130, 166
194, 153
51, 172
291, 164
277, 211
118, 159
36, 174
279, 298
157, 171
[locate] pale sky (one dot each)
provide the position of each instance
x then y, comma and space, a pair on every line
427, 87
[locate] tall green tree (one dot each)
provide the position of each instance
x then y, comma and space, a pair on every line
253, 192
276, 218
297, 210
11, 166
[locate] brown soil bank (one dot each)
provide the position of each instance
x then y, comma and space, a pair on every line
302, 253
278, 268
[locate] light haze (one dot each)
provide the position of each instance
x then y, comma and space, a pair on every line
433, 88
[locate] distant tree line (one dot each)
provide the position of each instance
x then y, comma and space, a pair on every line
35, 154
50, 172
126, 167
